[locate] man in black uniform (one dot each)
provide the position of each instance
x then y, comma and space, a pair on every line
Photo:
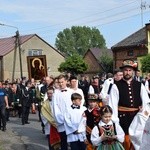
26, 102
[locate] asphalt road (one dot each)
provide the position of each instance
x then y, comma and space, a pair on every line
23, 137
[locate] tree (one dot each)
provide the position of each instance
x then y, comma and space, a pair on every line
79, 39
107, 62
145, 63
74, 64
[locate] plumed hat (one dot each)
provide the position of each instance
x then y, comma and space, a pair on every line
129, 63
93, 97
95, 77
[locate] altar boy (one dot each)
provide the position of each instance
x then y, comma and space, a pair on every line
72, 120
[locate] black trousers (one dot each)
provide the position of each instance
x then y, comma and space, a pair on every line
2, 116
77, 145
64, 144
40, 119
7, 114
25, 114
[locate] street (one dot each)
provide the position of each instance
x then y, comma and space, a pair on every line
23, 137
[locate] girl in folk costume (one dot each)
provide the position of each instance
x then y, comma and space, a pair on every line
107, 135
49, 122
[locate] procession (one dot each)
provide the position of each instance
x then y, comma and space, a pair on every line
75, 75
76, 112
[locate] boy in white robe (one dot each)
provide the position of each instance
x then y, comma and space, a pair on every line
72, 120
61, 102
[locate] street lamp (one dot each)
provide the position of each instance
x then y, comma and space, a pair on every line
17, 45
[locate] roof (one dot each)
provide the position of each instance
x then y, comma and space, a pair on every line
97, 52
8, 44
134, 39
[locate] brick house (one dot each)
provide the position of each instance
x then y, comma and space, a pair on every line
92, 58
133, 47
31, 46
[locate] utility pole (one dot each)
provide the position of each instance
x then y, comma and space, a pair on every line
17, 44
143, 6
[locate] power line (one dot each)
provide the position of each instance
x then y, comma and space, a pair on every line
109, 22
70, 21
102, 18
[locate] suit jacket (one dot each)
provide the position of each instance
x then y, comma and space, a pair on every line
26, 97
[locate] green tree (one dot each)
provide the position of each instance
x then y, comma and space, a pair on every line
107, 62
79, 39
145, 64
75, 64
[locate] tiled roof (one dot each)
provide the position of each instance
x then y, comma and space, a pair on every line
134, 39
8, 44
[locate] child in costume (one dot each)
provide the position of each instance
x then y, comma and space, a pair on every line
107, 135
72, 120
92, 117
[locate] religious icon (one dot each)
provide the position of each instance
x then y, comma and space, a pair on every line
37, 67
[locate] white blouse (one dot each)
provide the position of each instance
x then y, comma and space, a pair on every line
96, 139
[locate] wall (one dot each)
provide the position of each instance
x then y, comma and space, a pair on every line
93, 65
122, 54
53, 58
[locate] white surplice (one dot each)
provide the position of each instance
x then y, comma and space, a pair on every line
61, 102
136, 128
72, 120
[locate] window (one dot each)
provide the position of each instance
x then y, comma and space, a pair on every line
35, 52
130, 53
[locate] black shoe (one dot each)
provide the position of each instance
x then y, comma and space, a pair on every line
27, 122
43, 131
4, 129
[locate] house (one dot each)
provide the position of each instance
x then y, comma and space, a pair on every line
133, 47
33, 50
92, 58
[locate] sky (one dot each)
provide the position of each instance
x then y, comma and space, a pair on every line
115, 19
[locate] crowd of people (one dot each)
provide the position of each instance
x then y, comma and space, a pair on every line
79, 112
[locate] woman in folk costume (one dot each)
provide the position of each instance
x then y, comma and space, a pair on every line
107, 135
49, 122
